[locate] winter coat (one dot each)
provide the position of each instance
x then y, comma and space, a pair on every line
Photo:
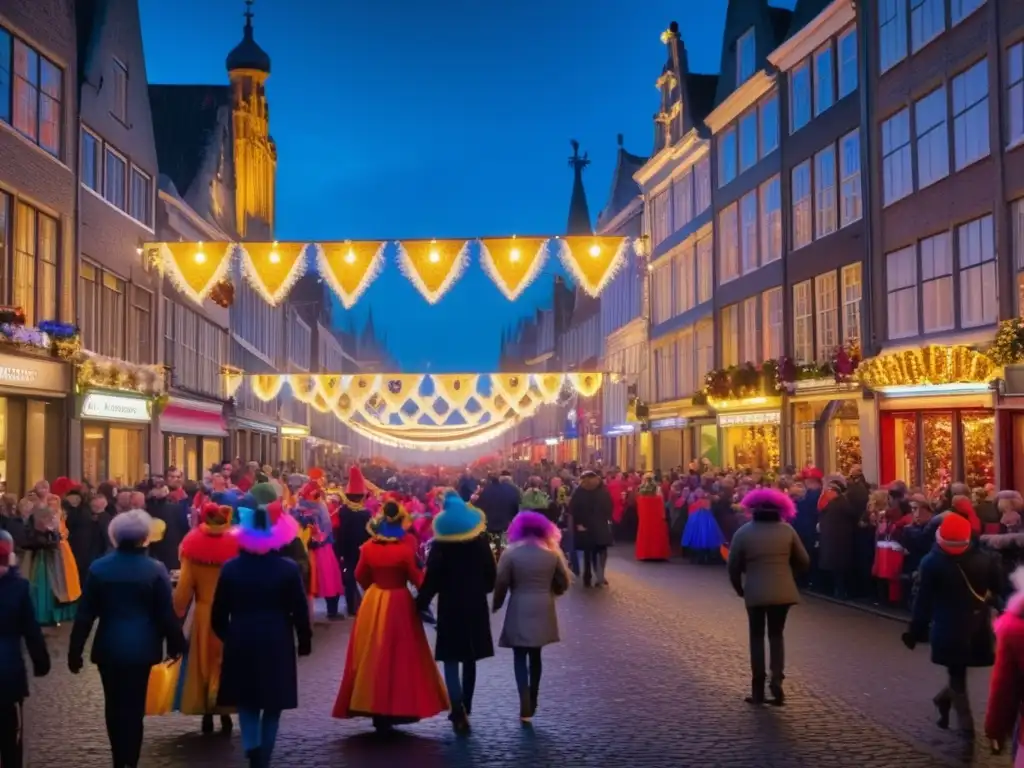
961, 625
535, 576
806, 522
916, 541
129, 596
591, 510
351, 535
18, 625
176, 520
461, 574
87, 535
259, 612
15, 526
838, 523
858, 493
499, 501
767, 552
1005, 709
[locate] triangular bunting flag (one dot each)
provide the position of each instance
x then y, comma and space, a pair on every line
586, 384
273, 268
454, 388
399, 388
592, 260
511, 386
350, 267
266, 387
433, 265
194, 268
513, 262
304, 387
549, 385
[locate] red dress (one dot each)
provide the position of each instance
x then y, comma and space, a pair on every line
389, 668
652, 536
1005, 710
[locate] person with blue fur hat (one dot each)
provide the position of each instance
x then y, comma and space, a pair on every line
461, 573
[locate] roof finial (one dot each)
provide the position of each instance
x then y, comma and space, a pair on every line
620, 139
248, 14
576, 162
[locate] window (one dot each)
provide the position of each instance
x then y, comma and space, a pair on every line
89, 306
661, 225
961, 9
803, 328
826, 302
1017, 243
970, 115
26, 244
682, 201
665, 367
748, 232
771, 324
978, 289
46, 306
705, 269
892, 33
1015, 100
801, 192
686, 283
726, 157
901, 287
769, 111
746, 57
730, 335
5, 75
114, 325
750, 332
686, 382
35, 92
91, 162
852, 294
825, 192
847, 70
932, 138
705, 348
120, 91
937, 283
748, 140
800, 97
115, 171
142, 326
771, 220
824, 84
701, 186
141, 208
897, 177
850, 205
5, 233
661, 280
927, 21
729, 247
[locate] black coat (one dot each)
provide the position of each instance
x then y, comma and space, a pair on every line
838, 524
591, 508
87, 535
461, 574
259, 611
499, 501
961, 625
18, 624
175, 517
15, 526
129, 595
352, 534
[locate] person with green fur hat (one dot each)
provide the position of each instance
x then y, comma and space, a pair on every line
264, 493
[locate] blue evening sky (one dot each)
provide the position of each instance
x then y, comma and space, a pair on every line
440, 118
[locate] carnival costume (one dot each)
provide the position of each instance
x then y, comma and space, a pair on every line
50, 568
318, 534
390, 674
204, 550
702, 536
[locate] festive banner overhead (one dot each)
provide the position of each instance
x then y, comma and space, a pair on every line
512, 386
587, 384
455, 388
549, 385
267, 387
194, 268
433, 265
273, 268
592, 261
513, 262
350, 267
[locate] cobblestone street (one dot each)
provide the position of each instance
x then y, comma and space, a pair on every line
651, 672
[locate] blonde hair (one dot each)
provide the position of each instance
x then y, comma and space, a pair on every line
878, 501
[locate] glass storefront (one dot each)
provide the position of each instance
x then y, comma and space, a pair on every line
931, 449
825, 434
709, 448
32, 442
752, 446
118, 453
193, 454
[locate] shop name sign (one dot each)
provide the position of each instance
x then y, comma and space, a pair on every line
671, 423
13, 375
115, 408
748, 419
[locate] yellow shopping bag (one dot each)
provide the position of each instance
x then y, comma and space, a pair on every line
163, 680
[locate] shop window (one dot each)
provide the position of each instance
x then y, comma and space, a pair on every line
3, 443
937, 431
755, 447
94, 459
213, 449
826, 303
844, 438
805, 416
905, 449
978, 447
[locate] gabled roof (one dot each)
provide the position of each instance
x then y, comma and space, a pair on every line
772, 25
624, 189
579, 211
803, 14
184, 117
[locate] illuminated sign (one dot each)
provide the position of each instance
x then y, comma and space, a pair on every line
749, 419
672, 423
18, 375
96, 405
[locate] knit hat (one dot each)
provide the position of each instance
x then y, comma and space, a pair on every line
954, 534
390, 524
458, 521
264, 493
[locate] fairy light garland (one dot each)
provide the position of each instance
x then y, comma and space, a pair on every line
432, 267
272, 269
194, 268
349, 268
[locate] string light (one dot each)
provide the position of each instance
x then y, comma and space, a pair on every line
200, 257
275, 257
514, 254
595, 251
350, 257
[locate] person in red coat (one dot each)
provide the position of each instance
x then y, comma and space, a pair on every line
1005, 711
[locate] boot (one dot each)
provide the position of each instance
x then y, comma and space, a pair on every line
525, 706
944, 706
459, 719
255, 757
778, 696
207, 726
756, 696
226, 725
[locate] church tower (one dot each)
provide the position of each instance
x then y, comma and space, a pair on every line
255, 154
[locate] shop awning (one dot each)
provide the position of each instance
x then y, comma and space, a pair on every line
254, 426
186, 419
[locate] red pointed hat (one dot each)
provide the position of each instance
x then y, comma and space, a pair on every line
356, 483
62, 486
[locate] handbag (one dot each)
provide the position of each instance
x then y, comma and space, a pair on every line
163, 681
982, 639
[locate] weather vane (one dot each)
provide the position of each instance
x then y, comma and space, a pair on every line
248, 10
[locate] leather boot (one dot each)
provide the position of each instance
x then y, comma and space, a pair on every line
255, 757
756, 696
778, 695
207, 726
226, 725
525, 706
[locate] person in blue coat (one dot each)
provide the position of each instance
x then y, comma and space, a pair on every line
127, 594
17, 625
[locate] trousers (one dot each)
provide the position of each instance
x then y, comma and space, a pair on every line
124, 707
460, 689
11, 750
954, 695
772, 617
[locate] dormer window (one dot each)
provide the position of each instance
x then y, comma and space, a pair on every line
746, 55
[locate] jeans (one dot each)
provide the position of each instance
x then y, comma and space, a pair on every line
11, 726
594, 559
527, 665
460, 691
348, 580
954, 695
774, 616
332, 605
259, 730
124, 705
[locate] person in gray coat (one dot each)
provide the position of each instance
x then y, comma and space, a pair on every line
763, 559
533, 568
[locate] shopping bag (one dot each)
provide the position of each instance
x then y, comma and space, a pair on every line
163, 680
888, 560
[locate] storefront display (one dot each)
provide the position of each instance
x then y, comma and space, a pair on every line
115, 437
194, 435
933, 448
825, 433
751, 440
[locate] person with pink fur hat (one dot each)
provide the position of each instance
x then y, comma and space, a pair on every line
763, 559
1004, 715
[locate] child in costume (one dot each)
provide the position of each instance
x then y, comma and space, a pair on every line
390, 674
702, 536
315, 521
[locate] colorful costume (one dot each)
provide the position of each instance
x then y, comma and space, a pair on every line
390, 673
315, 521
702, 534
204, 551
50, 568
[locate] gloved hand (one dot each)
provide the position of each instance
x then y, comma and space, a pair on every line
909, 640
75, 664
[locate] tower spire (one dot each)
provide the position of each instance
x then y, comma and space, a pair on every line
248, 14
579, 212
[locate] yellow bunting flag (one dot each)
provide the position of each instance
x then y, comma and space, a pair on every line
350, 267
266, 387
513, 262
513, 387
398, 388
304, 387
433, 265
586, 384
361, 388
549, 385
232, 382
194, 268
273, 268
330, 386
455, 388
592, 260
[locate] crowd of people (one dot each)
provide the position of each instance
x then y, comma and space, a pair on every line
202, 595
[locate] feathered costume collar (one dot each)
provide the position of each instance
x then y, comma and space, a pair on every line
280, 535
206, 548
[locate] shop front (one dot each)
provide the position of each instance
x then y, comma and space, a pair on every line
682, 433
749, 438
824, 424
115, 436
34, 421
619, 445
1010, 429
670, 444
254, 440
292, 442
195, 435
